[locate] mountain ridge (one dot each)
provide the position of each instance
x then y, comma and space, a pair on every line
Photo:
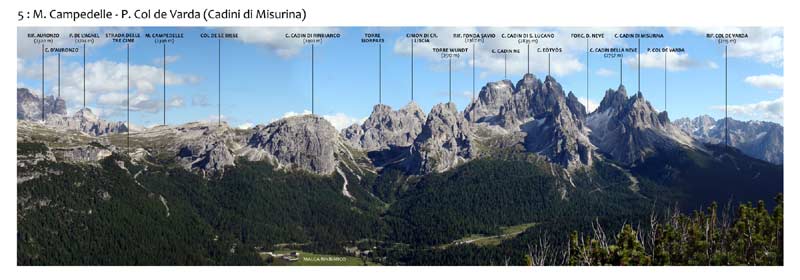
628, 128
759, 139
537, 116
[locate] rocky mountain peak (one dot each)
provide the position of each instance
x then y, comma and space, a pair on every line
614, 99
548, 97
413, 108
528, 83
208, 153
556, 136
639, 113
197, 146
758, 139
29, 106
552, 121
576, 107
303, 142
493, 98
381, 109
629, 128
84, 120
86, 115
706, 119
445, 141
700, 126
444, 109
663, 117
386, 128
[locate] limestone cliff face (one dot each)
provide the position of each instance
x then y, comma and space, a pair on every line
496, 100
85, 121
552, 121
759, 139
29, 106
83, 154
200, 147
295, 143
386, 128
299, 143
446, 141
532, 116
208, 155
303, 142
629, 129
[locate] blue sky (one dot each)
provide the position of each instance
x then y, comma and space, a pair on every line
266, 76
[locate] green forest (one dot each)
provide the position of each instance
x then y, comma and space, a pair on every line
117, 212
753, 236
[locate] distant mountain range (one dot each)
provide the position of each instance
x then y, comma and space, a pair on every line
759, 139
537, 115
30, 106
405, 186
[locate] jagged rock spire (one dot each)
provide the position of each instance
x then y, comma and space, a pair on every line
446, 141
629, 129
552, 121
385, 128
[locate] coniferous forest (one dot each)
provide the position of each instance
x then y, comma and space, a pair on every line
119, 213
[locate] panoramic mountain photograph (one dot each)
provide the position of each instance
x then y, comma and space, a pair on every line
399, 146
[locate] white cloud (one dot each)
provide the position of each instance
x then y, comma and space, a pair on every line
592, 105
675, 61
101, 112
170, 59
200, 100
768, 110
112, 98
175, 102
468, 94
274, 38
605, 72
246, 125
765, 44
769, 81
214, 119
713, 65
106, 83
20, 65
564, 63
341, 121
293, 113
28, 50
338, 120
138, 102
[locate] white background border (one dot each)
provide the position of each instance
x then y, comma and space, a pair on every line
415, 13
